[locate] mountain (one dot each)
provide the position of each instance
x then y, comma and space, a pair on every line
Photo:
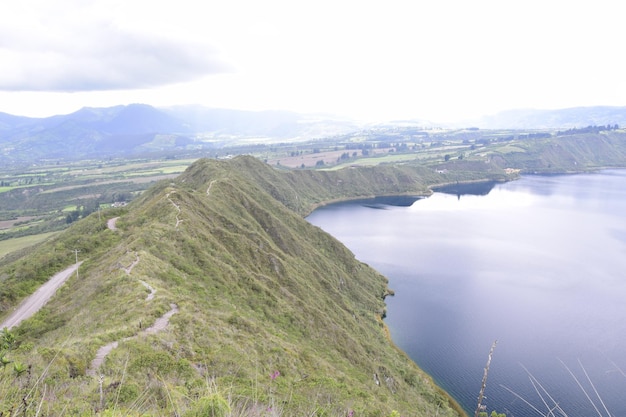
89, 132
258, 311
575, 117
139, 128
9, 122
142, 129
134, 119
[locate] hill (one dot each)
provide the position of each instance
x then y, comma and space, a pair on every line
212, 290
142, 129
260, 310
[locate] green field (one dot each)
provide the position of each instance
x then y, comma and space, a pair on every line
11, 245
52, 191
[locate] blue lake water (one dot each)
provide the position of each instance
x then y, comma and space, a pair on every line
538, 264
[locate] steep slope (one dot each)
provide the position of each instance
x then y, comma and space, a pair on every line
272, 313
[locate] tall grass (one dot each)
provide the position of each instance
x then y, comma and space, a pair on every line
547, 405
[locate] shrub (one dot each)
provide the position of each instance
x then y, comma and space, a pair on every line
213, 405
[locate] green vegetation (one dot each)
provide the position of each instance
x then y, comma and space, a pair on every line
275, 312
12, 245
275, 317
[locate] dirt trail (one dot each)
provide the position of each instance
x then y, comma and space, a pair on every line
39, 298
159, 325
178, 219
132, 265
149, 287
144, 283
111, 223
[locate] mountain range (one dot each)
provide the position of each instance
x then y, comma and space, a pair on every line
140, 129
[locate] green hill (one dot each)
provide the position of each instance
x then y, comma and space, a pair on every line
269, 315
256, 312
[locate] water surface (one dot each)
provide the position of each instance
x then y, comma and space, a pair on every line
538, 264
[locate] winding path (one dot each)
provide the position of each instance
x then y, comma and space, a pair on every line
178, 220
208, 190
39, 298
132, 265
144, 283
159, 325
111, 223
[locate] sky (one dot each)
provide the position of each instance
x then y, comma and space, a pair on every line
439, 60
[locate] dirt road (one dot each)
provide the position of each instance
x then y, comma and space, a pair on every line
111, 223
39, 298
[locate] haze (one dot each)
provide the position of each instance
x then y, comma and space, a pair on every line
428, 60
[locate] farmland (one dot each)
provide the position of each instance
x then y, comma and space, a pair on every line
47, 196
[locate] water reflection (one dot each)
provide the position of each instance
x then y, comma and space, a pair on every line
460, 189
536, 263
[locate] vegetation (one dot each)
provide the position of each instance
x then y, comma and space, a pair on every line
273, 311
274, 316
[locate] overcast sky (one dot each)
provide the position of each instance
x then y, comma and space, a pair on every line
438, 60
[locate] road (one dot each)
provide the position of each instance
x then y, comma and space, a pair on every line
39, 298
111, 223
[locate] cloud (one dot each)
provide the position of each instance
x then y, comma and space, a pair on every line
97, 55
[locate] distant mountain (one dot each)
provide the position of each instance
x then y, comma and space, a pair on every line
135, 119
87, 132
554, 119
138, 128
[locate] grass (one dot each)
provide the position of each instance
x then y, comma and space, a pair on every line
546, 405
259, 290
12, 245
5, 189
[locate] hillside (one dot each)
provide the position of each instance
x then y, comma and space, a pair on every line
140, 129
262, 310
211, 289
563, 154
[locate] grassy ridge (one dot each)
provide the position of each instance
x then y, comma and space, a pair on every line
260, 292
274, 313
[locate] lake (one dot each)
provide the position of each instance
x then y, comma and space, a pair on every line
538, 264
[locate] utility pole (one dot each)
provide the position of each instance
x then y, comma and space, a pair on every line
76, 253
